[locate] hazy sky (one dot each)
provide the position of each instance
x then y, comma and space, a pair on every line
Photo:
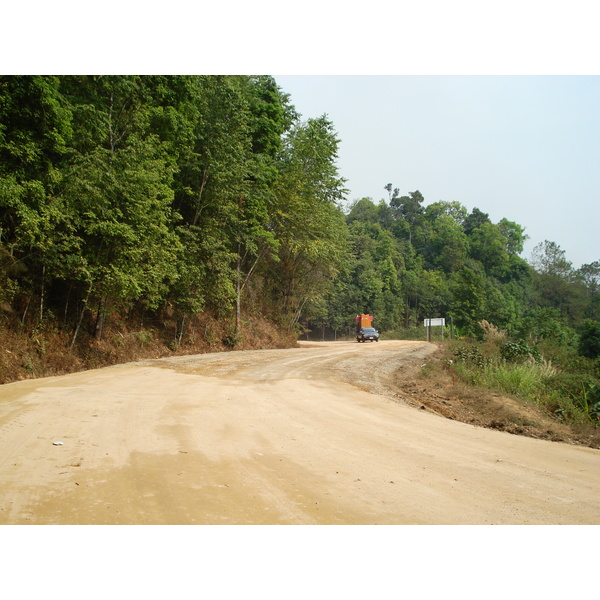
525, 148
405, 93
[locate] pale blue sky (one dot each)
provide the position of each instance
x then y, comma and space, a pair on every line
520, 146
526, 148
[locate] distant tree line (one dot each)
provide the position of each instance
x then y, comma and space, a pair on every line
406, 262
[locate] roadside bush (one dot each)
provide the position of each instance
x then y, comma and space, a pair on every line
561, 407
232, 338
519, 352
519, 369
471, 356
582, 391
589, 340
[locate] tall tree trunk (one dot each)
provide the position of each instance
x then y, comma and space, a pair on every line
83, 307
181, 331
26, 309
199, 206
240, 285
100, 317
238, 300
67, 303
42, 295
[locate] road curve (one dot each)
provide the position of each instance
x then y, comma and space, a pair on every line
309, 435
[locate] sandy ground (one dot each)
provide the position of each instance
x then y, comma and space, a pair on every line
272, 437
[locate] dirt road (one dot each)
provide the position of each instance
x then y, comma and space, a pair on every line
272, 437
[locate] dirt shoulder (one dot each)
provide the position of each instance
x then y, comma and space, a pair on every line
429, 386
311, 435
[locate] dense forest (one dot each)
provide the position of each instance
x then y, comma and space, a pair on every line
142, 205
160, 198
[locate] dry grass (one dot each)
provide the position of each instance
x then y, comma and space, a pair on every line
43, 353
492, 334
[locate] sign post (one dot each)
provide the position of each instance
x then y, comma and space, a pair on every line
438, 322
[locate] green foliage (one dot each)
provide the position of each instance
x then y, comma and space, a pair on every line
471, 354
488, 246
514, 236
449, 245
548, 330
180, 192
580, 391
469, 305
518, 352
232, 338
556, 283
588, 277
306, 219
518, 369
589, 339
514, 378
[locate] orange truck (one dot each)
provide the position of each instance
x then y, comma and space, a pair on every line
364, 321
365, 330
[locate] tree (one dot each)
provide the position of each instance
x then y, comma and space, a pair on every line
553, 280
307, 220
455, 210
118, 191
589, 275
35, 229
476, 219
35, 128
408, 209
514, 235
364, 211
488, 246
211, 192
449, 245
548, 258
394, 194
468, 306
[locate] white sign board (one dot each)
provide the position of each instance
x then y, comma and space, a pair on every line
434, 322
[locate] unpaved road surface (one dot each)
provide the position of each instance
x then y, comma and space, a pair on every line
272, 437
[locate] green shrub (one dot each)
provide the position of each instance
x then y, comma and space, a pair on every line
472, 356
589, 340
232, 338
580, 389
562, 407
519, 351
519, 369
145, 337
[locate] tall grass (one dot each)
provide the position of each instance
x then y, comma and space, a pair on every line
523, 380
410, 333
517, 369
